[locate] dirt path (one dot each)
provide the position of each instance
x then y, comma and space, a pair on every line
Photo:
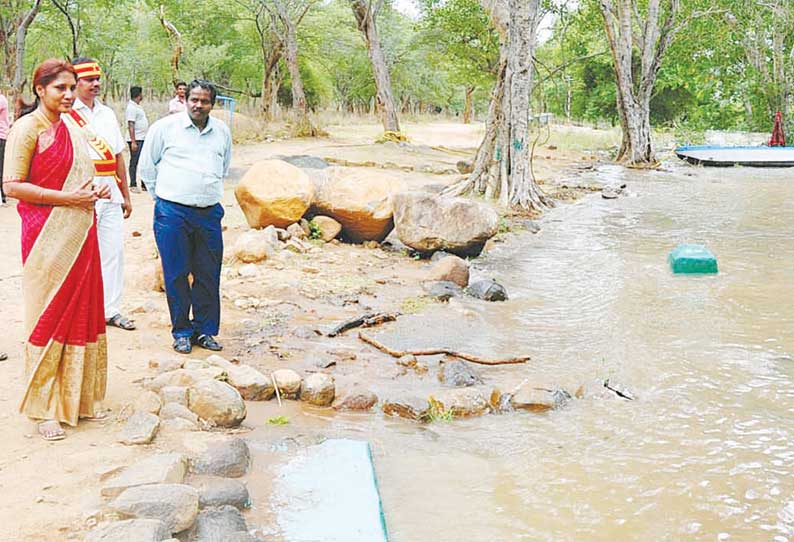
48, 490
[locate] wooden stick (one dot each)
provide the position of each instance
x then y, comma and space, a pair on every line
366, 320
435, 351
275, 387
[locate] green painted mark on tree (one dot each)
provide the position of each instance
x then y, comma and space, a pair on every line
498, 154
518, 145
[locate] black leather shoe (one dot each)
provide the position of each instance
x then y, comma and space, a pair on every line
208, 342
182, 345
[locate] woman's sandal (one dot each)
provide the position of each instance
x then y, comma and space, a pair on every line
121, 322
51, 430
100, 416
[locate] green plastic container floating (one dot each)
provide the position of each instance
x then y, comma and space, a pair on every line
692, 260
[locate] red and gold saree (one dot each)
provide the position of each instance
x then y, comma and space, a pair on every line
66, 352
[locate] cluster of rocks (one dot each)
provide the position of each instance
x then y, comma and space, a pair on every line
466, 395
169, 494
362, 206
449, 277
197, 394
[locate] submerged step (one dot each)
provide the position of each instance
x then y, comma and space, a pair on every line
329, 493
692, 260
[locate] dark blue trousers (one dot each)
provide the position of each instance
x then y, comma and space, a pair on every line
190, 241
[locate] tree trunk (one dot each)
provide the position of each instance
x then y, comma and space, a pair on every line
291, 56
635, 87
269, 89
176, 40
502, 167
18, 53
468, 107
365, 17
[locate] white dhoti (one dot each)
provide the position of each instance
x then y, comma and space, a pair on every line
110, 231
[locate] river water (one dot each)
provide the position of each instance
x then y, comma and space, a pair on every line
706, 452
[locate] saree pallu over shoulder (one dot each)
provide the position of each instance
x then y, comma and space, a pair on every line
66, 351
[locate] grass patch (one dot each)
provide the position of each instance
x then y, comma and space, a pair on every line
413, 305
438, 414
315, 232
278, 420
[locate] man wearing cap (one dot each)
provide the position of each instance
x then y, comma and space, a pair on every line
105, 146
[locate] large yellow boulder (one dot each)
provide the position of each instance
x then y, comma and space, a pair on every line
274, 193
360, 200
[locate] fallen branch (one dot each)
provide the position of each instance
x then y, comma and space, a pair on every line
435, 351
365, 320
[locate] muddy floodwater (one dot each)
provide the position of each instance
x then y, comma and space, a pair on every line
706, 452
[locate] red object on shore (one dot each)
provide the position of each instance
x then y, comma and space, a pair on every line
778, 136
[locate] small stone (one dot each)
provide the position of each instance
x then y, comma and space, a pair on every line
252, 384
318, 389
439, 255
230, 458
304, 332
167, 468
610, 192
176, 505
462, 402
288, 382
139, 530
220, 491
296, 232
371, 244
140, 428
538, 399
183, 377
409, 407
217, 524
442, 290
458, 373
148, 401
136, 233
171, 411
487, 290
450, 269
356, 399
329, 228
164, 364
217, 402
283, 235
297, 246
177, 425
174, 394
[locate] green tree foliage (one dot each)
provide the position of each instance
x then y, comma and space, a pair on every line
722, 72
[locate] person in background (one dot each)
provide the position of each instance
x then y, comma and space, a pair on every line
184, 160
3, 137
49, 171
137, 124
105, 145
178, 103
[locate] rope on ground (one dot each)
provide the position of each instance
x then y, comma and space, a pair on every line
436, 351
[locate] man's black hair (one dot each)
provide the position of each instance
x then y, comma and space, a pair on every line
135, 92
180, 84
81, 60
206, 85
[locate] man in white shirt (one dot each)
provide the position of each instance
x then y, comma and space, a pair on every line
184, 162
178, 103
105, 145
137, 125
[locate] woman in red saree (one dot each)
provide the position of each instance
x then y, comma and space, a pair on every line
48, 169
